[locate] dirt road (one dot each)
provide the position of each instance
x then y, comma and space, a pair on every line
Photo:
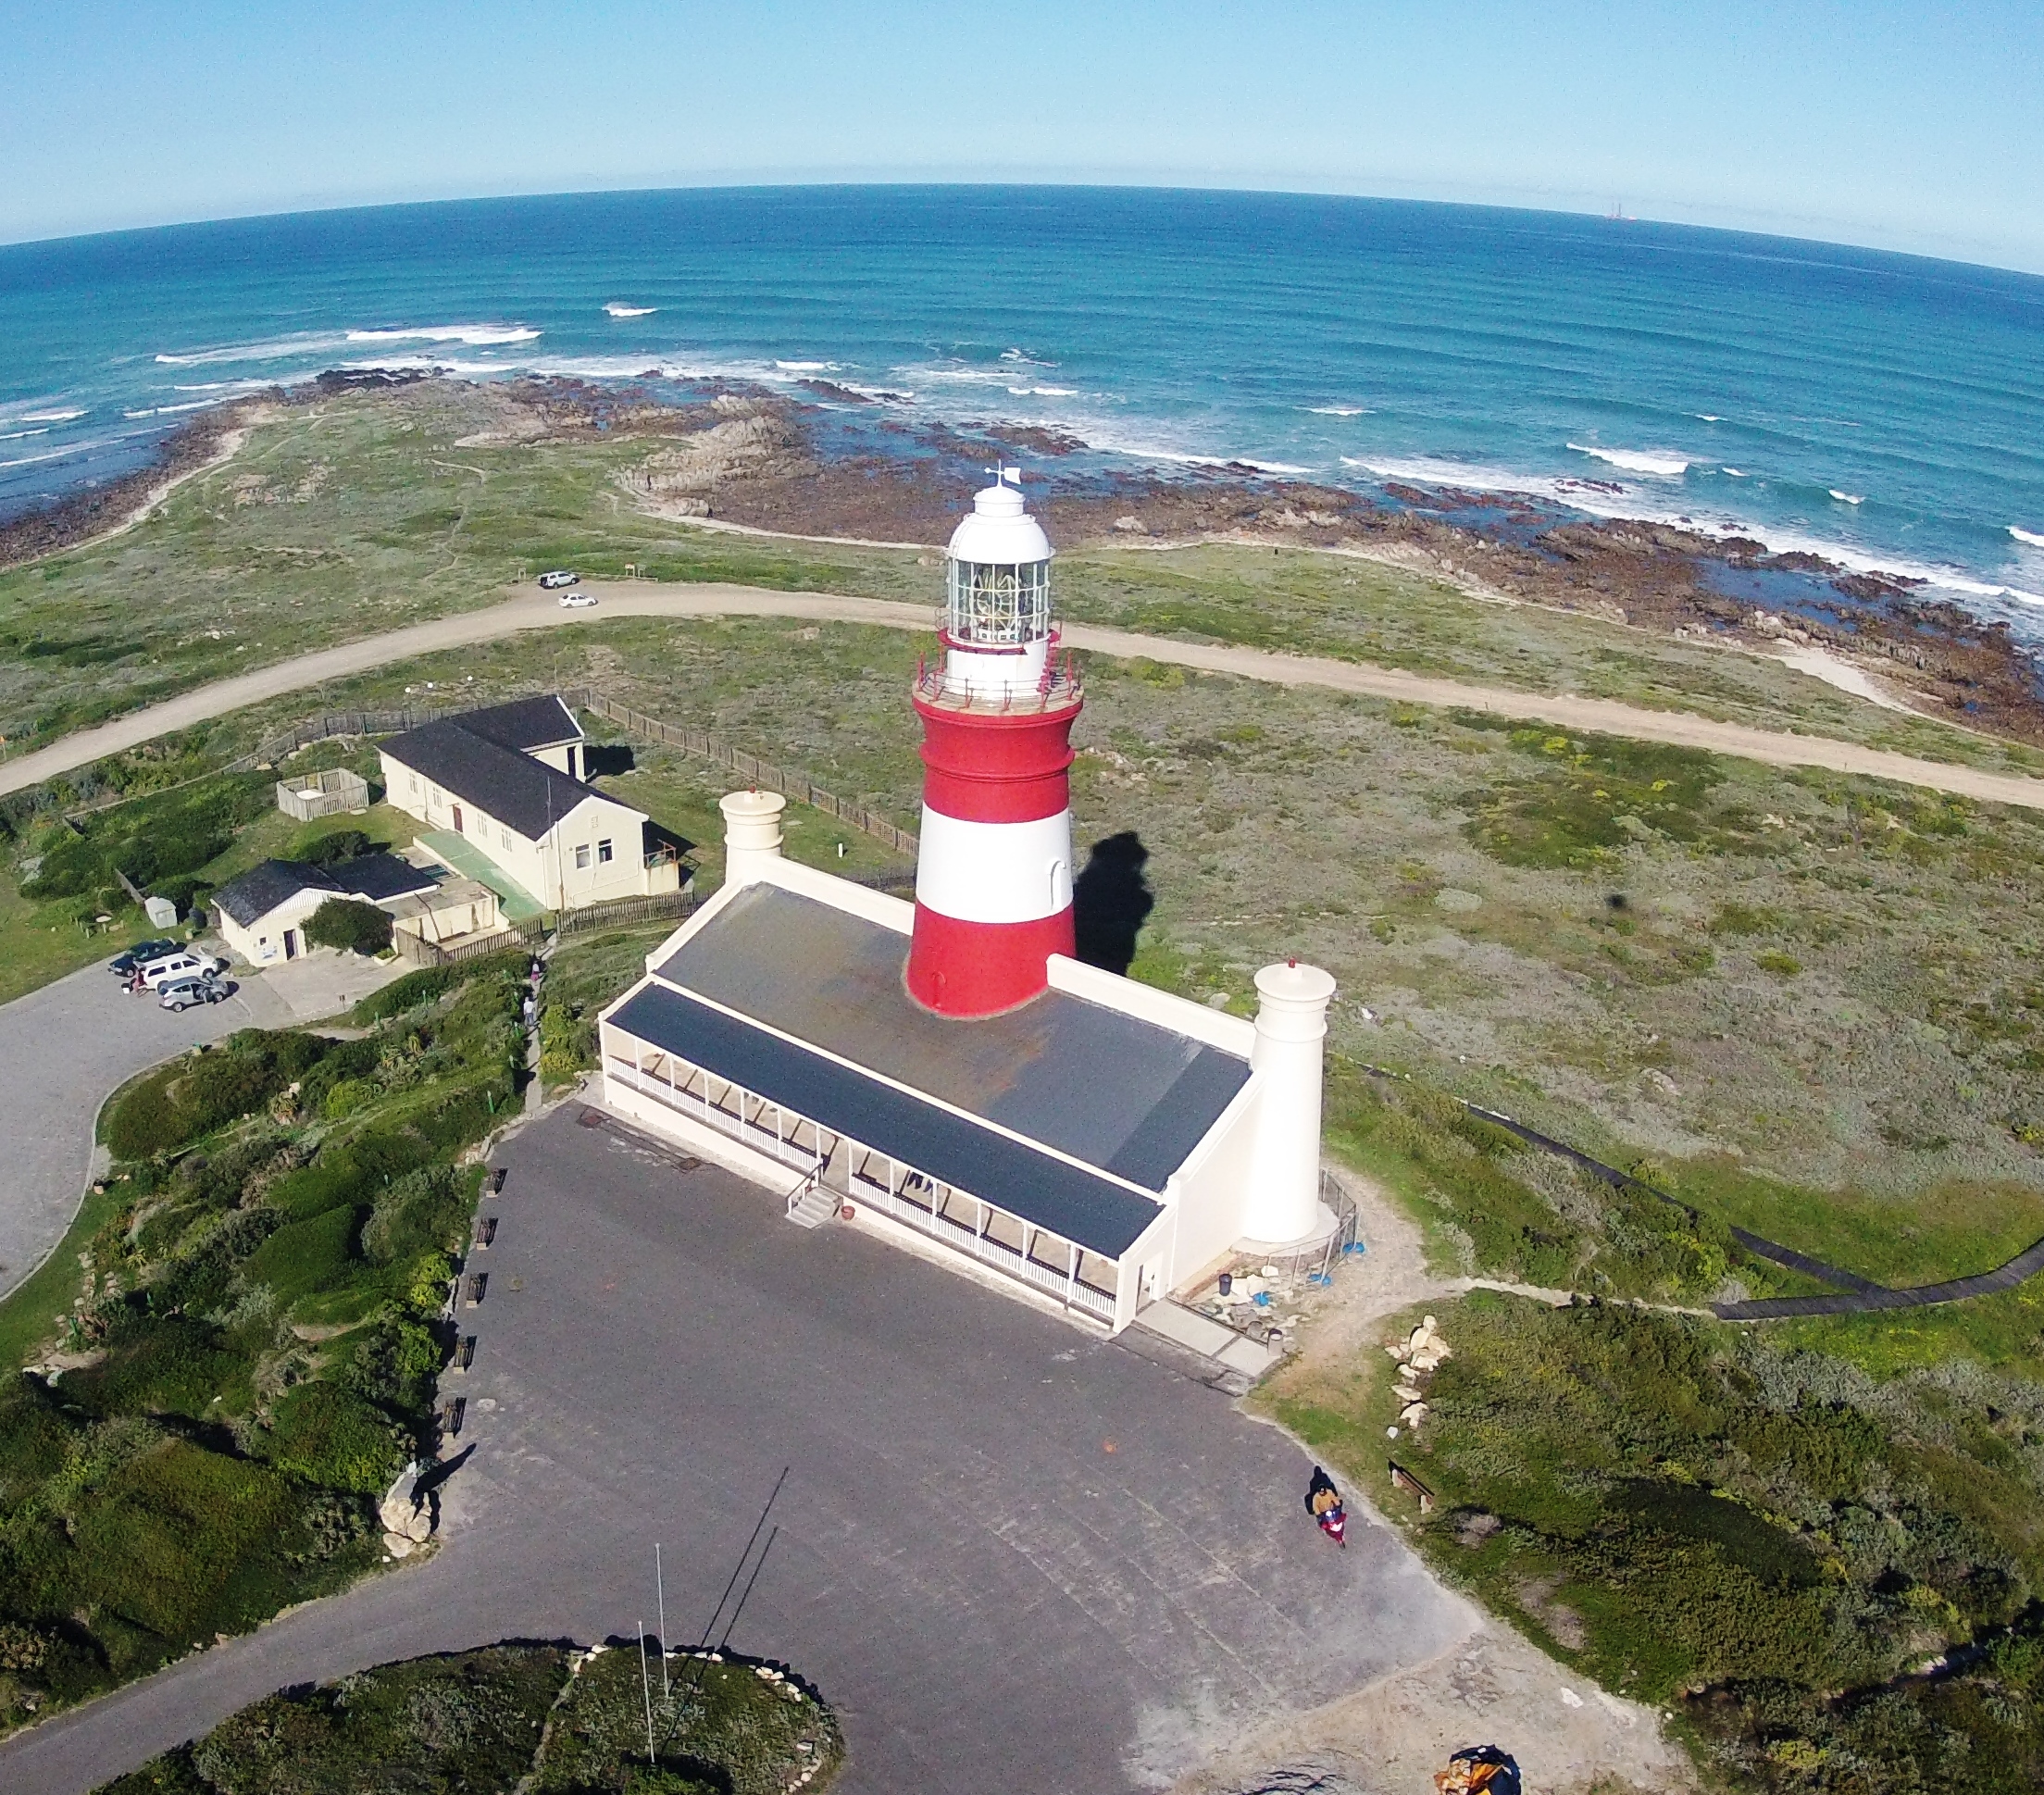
644, 599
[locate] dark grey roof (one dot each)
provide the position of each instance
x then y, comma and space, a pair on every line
378, 877
524, 724
1129, 1096
261, 888
1097, 1214
513, 787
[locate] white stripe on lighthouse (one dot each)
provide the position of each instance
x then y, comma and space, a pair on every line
994, 872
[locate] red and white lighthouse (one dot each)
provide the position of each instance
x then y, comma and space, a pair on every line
993, 880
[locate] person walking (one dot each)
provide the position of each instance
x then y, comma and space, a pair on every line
1324, 1503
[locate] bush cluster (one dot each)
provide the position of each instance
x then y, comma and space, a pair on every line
351, 925
264, 1316
477, 1721
207, 1090
1694, 1513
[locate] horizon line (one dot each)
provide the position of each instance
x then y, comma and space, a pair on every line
1813, 231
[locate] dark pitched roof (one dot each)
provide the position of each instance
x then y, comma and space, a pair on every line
261, 888
378, 877
513, 787
1132, 1097
524, 724
1082, 1207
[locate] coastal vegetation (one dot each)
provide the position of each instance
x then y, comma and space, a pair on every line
1833, 1578
553, 1719
254, 1328
1796, 1002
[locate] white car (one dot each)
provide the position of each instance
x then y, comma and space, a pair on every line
577, 601
560, 577
173, 967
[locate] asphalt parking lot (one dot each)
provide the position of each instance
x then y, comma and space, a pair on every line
1016, 1557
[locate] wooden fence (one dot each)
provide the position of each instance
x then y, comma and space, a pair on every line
617, 912
430, 953
765, 774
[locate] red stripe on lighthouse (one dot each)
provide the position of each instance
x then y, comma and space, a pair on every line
995, 768
980, 968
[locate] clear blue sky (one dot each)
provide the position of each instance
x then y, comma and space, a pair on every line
1908, 126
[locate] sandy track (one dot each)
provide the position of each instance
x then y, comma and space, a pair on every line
641, 599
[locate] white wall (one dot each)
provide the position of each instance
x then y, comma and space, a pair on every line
262, 942
1211, 1187
546, 869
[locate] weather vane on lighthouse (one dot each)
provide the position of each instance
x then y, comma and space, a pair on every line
994, 882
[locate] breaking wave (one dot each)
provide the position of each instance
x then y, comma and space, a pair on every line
50, 416
474, 336
18, 436
1635, 461
2032, 537
1846, 498
615, 310
164, 411
1339, 411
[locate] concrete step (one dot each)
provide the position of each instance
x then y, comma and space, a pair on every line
817, 1206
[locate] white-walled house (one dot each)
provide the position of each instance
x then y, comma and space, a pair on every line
499, 779
262, 914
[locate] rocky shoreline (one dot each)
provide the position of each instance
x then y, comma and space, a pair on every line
852, 468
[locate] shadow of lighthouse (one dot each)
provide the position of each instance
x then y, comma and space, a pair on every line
1111, 901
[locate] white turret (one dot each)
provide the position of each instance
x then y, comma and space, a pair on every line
752, 832
1283, 1204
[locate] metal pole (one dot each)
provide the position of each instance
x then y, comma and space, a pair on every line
645, 1684
660, 1597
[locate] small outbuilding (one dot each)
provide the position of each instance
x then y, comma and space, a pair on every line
264, 912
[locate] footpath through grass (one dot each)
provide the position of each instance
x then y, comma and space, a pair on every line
235, 1352
547, 1719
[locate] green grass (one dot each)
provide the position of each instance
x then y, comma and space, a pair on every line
482, 1723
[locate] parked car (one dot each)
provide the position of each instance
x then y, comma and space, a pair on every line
559, 578
171, 968
123, 965
577, 601
183, 993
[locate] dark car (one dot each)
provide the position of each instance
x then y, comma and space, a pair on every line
123, 965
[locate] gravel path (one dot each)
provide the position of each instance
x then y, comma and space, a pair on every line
531, 610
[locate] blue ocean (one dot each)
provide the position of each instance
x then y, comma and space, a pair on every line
1883, 411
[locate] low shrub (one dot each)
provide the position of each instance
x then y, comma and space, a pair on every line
204, 1092
351, 925
332, 1436
334, 846
306, 1256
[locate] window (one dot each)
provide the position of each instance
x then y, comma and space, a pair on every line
507, 834
581, 856
415, 785
603, 850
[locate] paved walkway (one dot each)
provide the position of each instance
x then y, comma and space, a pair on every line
537, 611
65, 1048
1017, 1558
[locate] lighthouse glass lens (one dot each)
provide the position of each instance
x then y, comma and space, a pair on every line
998, 603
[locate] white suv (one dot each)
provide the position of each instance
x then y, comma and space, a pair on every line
180, 964
559, 576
